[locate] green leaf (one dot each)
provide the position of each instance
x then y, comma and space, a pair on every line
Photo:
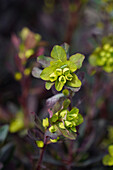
47, 72
61, 125
57, 64
68, 123
48, 85
74, 112
17, 124
72, 66
54, 118
75, 82
108, 160
110, 149
58, 53
63, 113
36, 72
68, 134
79, 120
3, 132
73, 129
77, 59
59, 85
66, 103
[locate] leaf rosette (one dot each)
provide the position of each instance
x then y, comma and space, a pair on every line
61, 71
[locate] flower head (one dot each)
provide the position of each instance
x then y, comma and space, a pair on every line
61, 71
103, 57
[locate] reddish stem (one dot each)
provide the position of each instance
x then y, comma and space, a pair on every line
42, 154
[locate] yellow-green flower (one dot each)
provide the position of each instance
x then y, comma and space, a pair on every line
61, 71
66, 121
103, 57
108, 159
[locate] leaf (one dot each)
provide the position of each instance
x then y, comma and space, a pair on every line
36, 72
3, 132
44, 61
110, 149
80, 119
75, 82
48, 85
77, 59
54, 118
74, 112
47, 72
68, 134
52, 100
17, 124
66, 103
57, 64
66, 48
58, 53
59, 85
51, 135
6, 153
58, 105
72, 66
38, 123
74, 89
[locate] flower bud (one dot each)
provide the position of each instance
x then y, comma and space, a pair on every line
69, 77
62, 79
53, 77
59, 71
66, 71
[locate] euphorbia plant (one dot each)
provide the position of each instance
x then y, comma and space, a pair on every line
63, 118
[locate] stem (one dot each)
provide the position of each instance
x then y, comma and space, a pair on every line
71, 142
42, 154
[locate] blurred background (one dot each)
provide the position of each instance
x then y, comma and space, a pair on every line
29, 29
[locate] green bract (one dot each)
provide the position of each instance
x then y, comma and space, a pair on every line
61, 71
45, 122
103, 56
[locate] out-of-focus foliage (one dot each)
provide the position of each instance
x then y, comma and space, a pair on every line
108, 159
85, 25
